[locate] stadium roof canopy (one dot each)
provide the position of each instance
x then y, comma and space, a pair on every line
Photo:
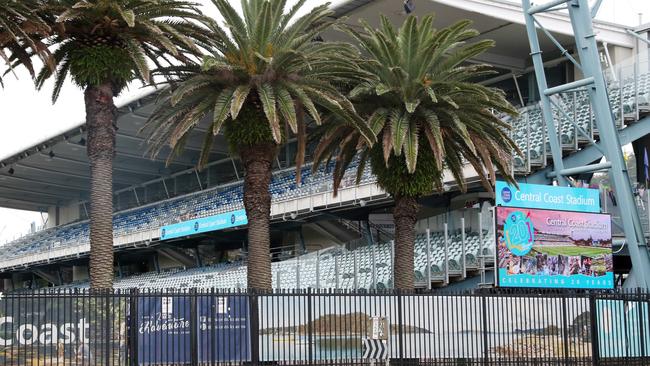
55, 171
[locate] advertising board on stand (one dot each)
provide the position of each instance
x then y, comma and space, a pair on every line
553, 249
552, 237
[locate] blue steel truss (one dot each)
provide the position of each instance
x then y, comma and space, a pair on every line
610, 144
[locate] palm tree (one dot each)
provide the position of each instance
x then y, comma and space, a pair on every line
22, 31
266, 74
421, 103
103, 45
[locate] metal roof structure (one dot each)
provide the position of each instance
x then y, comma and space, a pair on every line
55, 172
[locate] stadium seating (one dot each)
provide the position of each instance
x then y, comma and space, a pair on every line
201, 204
331, 268
529, 132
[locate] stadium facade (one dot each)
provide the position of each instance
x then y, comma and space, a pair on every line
318, 240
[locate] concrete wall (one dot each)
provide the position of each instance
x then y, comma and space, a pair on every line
79, 273
66, 215
166, 263
453, 220
315, 239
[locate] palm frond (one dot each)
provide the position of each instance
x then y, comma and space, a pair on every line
416, 93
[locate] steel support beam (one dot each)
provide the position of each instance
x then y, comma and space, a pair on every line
40, 193
176, 161
538, 63
610, 144
542, 7
87, 164
581, 169
637, 36
595, 8
48, 184
569, 86
592, 153
590, 59
71, 175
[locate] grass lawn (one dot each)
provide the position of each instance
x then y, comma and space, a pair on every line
571, 250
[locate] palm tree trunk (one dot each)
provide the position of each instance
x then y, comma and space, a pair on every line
258, 162
405, 217
100, 122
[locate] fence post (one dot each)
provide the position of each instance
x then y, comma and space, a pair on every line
428, 266
642, 335
107, 316
194, 344
400, 323
485, 330
133, 327
213, 327
565, 332
594, 330
255, 327
310, 336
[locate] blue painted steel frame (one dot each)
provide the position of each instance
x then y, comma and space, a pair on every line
581, 21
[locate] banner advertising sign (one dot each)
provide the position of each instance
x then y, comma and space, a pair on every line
164, 330
553, 249
547, 197
40, 328
204, 224
223, 329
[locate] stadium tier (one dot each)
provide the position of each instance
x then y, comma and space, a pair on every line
209, 202
528, 129
528, 132
333, 268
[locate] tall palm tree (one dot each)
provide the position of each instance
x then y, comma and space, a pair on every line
103, 45
421, 103
265, 74
22, 31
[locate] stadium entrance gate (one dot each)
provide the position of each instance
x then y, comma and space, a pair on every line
323, 328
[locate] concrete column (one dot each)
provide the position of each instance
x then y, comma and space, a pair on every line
79, 273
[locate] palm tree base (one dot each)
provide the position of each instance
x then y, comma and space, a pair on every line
258, 163
405, 216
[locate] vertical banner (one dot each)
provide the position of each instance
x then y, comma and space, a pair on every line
224, 329
164, 330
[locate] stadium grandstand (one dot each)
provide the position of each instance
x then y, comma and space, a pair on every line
320, 240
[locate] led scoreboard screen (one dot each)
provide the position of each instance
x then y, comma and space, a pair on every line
553, 249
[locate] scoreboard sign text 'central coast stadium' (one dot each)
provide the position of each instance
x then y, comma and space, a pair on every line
548, 197
567, 247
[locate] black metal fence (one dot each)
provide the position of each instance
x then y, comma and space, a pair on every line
70, 327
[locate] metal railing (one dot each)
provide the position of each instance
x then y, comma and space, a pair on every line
324, 328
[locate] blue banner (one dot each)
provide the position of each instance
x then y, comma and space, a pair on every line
224, 330
547, 197
204, 225
164, 330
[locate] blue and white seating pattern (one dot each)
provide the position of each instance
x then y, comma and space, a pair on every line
528, 132
331, 268
200, 204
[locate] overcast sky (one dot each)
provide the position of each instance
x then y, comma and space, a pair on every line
30, 117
